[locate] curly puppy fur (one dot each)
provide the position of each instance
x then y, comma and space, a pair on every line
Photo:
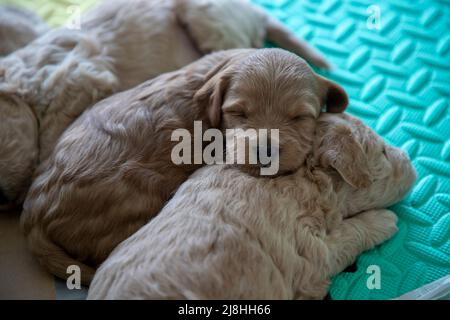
120, 44
228, 235
18, 27
111, 171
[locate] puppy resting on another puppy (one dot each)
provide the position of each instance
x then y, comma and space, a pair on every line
46, 85
228, 235
111, 171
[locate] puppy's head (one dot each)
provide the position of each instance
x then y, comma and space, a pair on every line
18, 147
379, 173
275, 90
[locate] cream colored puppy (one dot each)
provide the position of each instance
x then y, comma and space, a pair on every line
112, 170
46, 85
227, 235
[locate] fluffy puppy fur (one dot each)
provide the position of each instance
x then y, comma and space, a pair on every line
18, 27
111, 171
228, 235
120, 44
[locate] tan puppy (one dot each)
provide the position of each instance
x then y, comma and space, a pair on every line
120, 44
18, 27
112, 171
227, 235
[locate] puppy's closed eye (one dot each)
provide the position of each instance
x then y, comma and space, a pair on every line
236, 110
238, 114
299, 118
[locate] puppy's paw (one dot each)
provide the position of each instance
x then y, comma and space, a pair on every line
387, 220
381, 224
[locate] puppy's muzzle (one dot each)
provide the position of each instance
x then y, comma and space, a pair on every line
266, 154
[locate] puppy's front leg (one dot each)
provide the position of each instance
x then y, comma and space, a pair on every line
358, 234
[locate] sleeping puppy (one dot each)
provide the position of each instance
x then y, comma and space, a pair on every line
18, 27
112, 170
228, 235
45, 86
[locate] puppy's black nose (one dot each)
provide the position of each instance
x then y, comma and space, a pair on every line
268, 155
3, 198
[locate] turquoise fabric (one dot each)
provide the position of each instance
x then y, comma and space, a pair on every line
398, 80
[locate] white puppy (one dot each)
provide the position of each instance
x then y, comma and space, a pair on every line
227, 235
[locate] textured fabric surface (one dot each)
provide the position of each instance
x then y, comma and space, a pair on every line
398, 79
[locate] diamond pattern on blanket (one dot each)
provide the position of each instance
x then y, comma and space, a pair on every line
397, 74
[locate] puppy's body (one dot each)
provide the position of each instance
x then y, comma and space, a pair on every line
111, 171
227, 235
120, 44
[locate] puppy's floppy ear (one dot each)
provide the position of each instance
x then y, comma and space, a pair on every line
210, 96
333, 95
338, 148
